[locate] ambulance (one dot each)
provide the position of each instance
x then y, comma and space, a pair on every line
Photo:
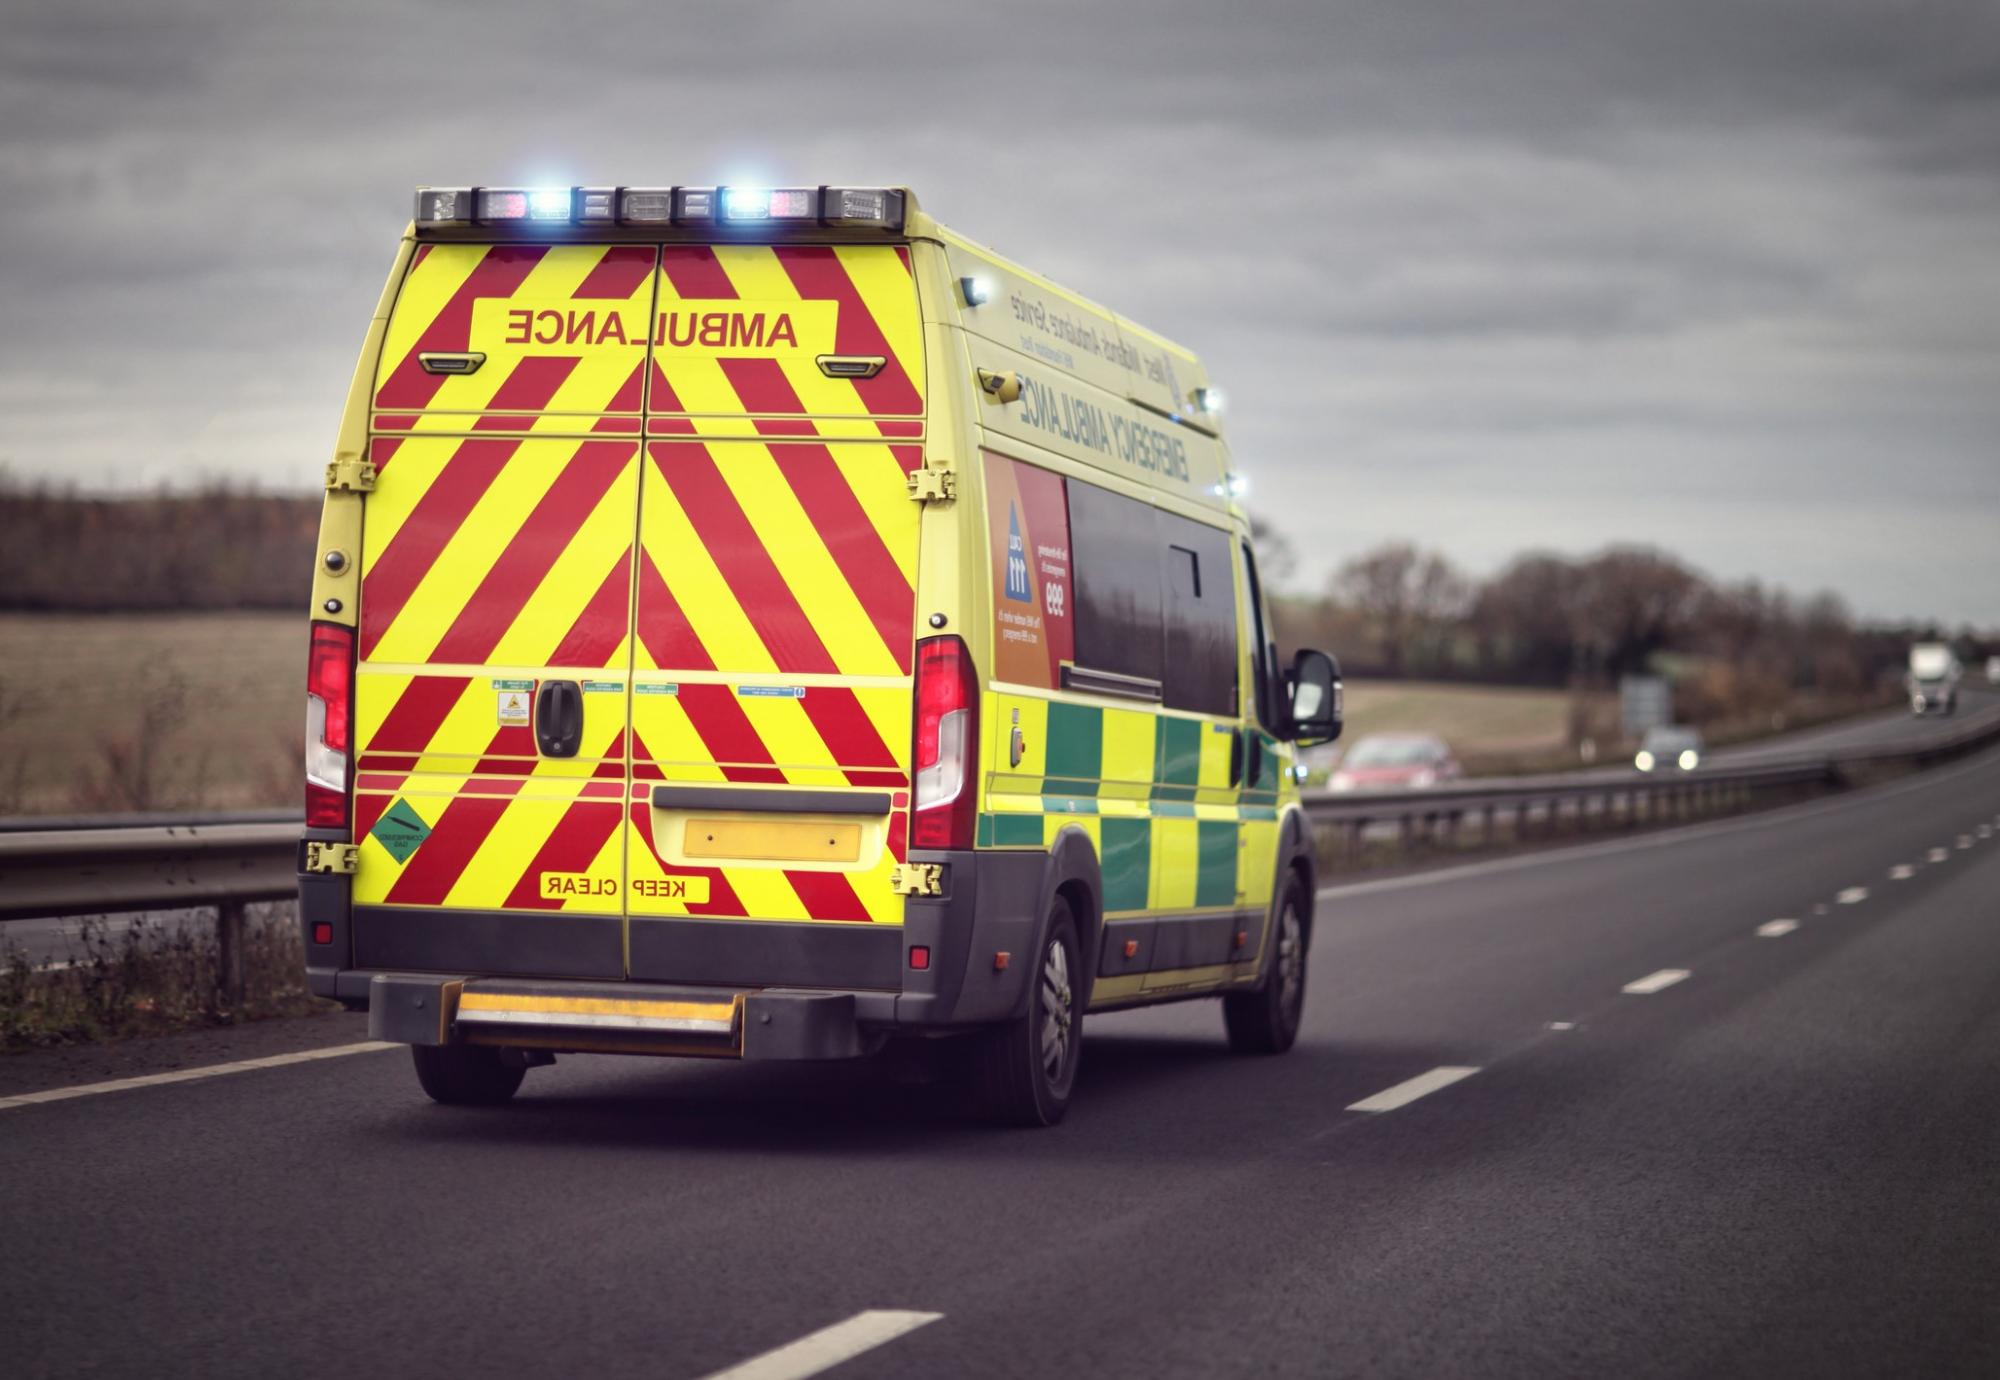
762, 624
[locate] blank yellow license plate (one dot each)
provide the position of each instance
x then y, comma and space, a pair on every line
772, 840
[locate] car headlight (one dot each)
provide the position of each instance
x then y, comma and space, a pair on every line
1688, 759
1644, 761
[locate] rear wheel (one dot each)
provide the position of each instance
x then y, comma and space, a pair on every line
466, 1075
1266, 1021
1028, 1065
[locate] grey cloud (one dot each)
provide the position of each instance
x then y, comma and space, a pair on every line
1553, 272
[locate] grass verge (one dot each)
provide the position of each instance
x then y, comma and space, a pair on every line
152, 976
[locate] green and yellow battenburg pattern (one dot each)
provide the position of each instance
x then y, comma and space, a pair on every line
1151, 789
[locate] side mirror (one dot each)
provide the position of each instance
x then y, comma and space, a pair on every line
1316, 697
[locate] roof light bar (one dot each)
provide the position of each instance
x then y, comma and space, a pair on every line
876, 208
880, 207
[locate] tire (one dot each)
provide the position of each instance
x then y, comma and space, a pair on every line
1266, 1021
1026, 1067
465, 1075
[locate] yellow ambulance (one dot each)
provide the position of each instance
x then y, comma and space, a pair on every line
761, 623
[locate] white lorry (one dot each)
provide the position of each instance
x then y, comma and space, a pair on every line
1933, 679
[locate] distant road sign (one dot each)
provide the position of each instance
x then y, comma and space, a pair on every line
1644, 702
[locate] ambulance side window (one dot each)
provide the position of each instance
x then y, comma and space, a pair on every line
1200, 617
1113, 548
1263, 651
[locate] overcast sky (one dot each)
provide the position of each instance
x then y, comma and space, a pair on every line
1717, 275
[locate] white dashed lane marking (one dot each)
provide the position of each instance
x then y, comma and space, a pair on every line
1656, 982
828, 1347
1964, 841
1937, 855
1776, 929
1853, 896
1407, 1092
1902, 872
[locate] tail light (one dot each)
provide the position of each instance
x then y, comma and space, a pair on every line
947, 745
329, 714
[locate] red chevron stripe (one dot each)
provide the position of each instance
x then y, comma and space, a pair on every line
628, 397
695, 272
586, 476
368, 809
582, 832
417, 714
511, 753
498, 274
443, 856
747, 568
856, 547
899, 836
527, 389
455, 836
394, 573
845, 728
726, 731
761, 386
827, 895
817, 273
599, 630
622, 271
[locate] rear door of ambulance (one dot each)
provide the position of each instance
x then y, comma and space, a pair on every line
497, 563
773, 616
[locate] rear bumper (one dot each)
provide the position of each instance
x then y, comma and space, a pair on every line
619, 1018
806, 990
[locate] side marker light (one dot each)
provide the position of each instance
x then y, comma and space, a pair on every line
1000, 961
920, 956
1131, 948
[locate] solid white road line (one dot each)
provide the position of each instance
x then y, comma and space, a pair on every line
1407, 1092
1776, 929
1902, 872
1655, 982
828, 1347
190, 1075
1853, 896
1937, 855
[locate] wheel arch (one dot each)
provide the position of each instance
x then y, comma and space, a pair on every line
1072, 873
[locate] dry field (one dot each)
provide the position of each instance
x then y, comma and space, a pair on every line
103, 713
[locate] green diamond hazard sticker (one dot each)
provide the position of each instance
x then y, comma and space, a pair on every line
400, 830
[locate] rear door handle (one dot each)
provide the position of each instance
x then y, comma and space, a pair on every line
559, 718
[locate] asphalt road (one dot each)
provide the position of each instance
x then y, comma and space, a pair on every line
1785, 1162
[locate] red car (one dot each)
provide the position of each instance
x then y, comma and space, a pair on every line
1386, 761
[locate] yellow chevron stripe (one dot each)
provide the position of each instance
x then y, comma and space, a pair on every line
601, 545
521, 482
802, 560
425, 291
891, 297
695, 582
755, 273
877, 480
